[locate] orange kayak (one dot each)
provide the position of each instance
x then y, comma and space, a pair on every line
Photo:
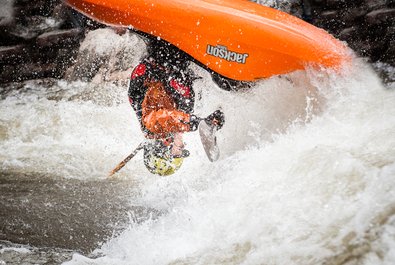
238, 39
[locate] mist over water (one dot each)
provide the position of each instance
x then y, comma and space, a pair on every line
306, 174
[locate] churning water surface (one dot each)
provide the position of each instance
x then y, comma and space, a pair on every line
306, 174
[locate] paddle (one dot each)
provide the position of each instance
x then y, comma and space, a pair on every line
127, 159
208, 139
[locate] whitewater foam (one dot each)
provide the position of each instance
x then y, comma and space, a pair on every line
299, 193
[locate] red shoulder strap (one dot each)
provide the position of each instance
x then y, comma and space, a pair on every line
139, 70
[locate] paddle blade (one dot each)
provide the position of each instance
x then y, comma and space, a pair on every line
209, 141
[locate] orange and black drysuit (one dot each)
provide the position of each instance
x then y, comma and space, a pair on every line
163, 99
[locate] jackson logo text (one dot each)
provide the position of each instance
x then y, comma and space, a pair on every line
222, 52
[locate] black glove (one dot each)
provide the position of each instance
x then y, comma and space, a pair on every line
193, 122
216, 119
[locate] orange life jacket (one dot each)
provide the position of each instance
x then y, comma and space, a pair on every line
163, 101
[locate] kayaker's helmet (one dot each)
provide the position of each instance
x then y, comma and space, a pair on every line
159, 160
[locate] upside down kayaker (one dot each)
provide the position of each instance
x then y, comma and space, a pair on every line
163, 98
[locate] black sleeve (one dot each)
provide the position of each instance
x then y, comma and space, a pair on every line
137, 88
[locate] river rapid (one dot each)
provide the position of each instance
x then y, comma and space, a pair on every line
306, 174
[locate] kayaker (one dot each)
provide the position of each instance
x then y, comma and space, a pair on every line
162, 96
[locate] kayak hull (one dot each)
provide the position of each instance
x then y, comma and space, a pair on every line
237, 39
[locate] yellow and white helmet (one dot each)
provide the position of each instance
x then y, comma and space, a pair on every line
159, 160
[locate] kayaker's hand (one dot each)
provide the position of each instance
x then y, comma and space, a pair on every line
216, 119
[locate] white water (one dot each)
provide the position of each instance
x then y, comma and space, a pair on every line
307, 168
